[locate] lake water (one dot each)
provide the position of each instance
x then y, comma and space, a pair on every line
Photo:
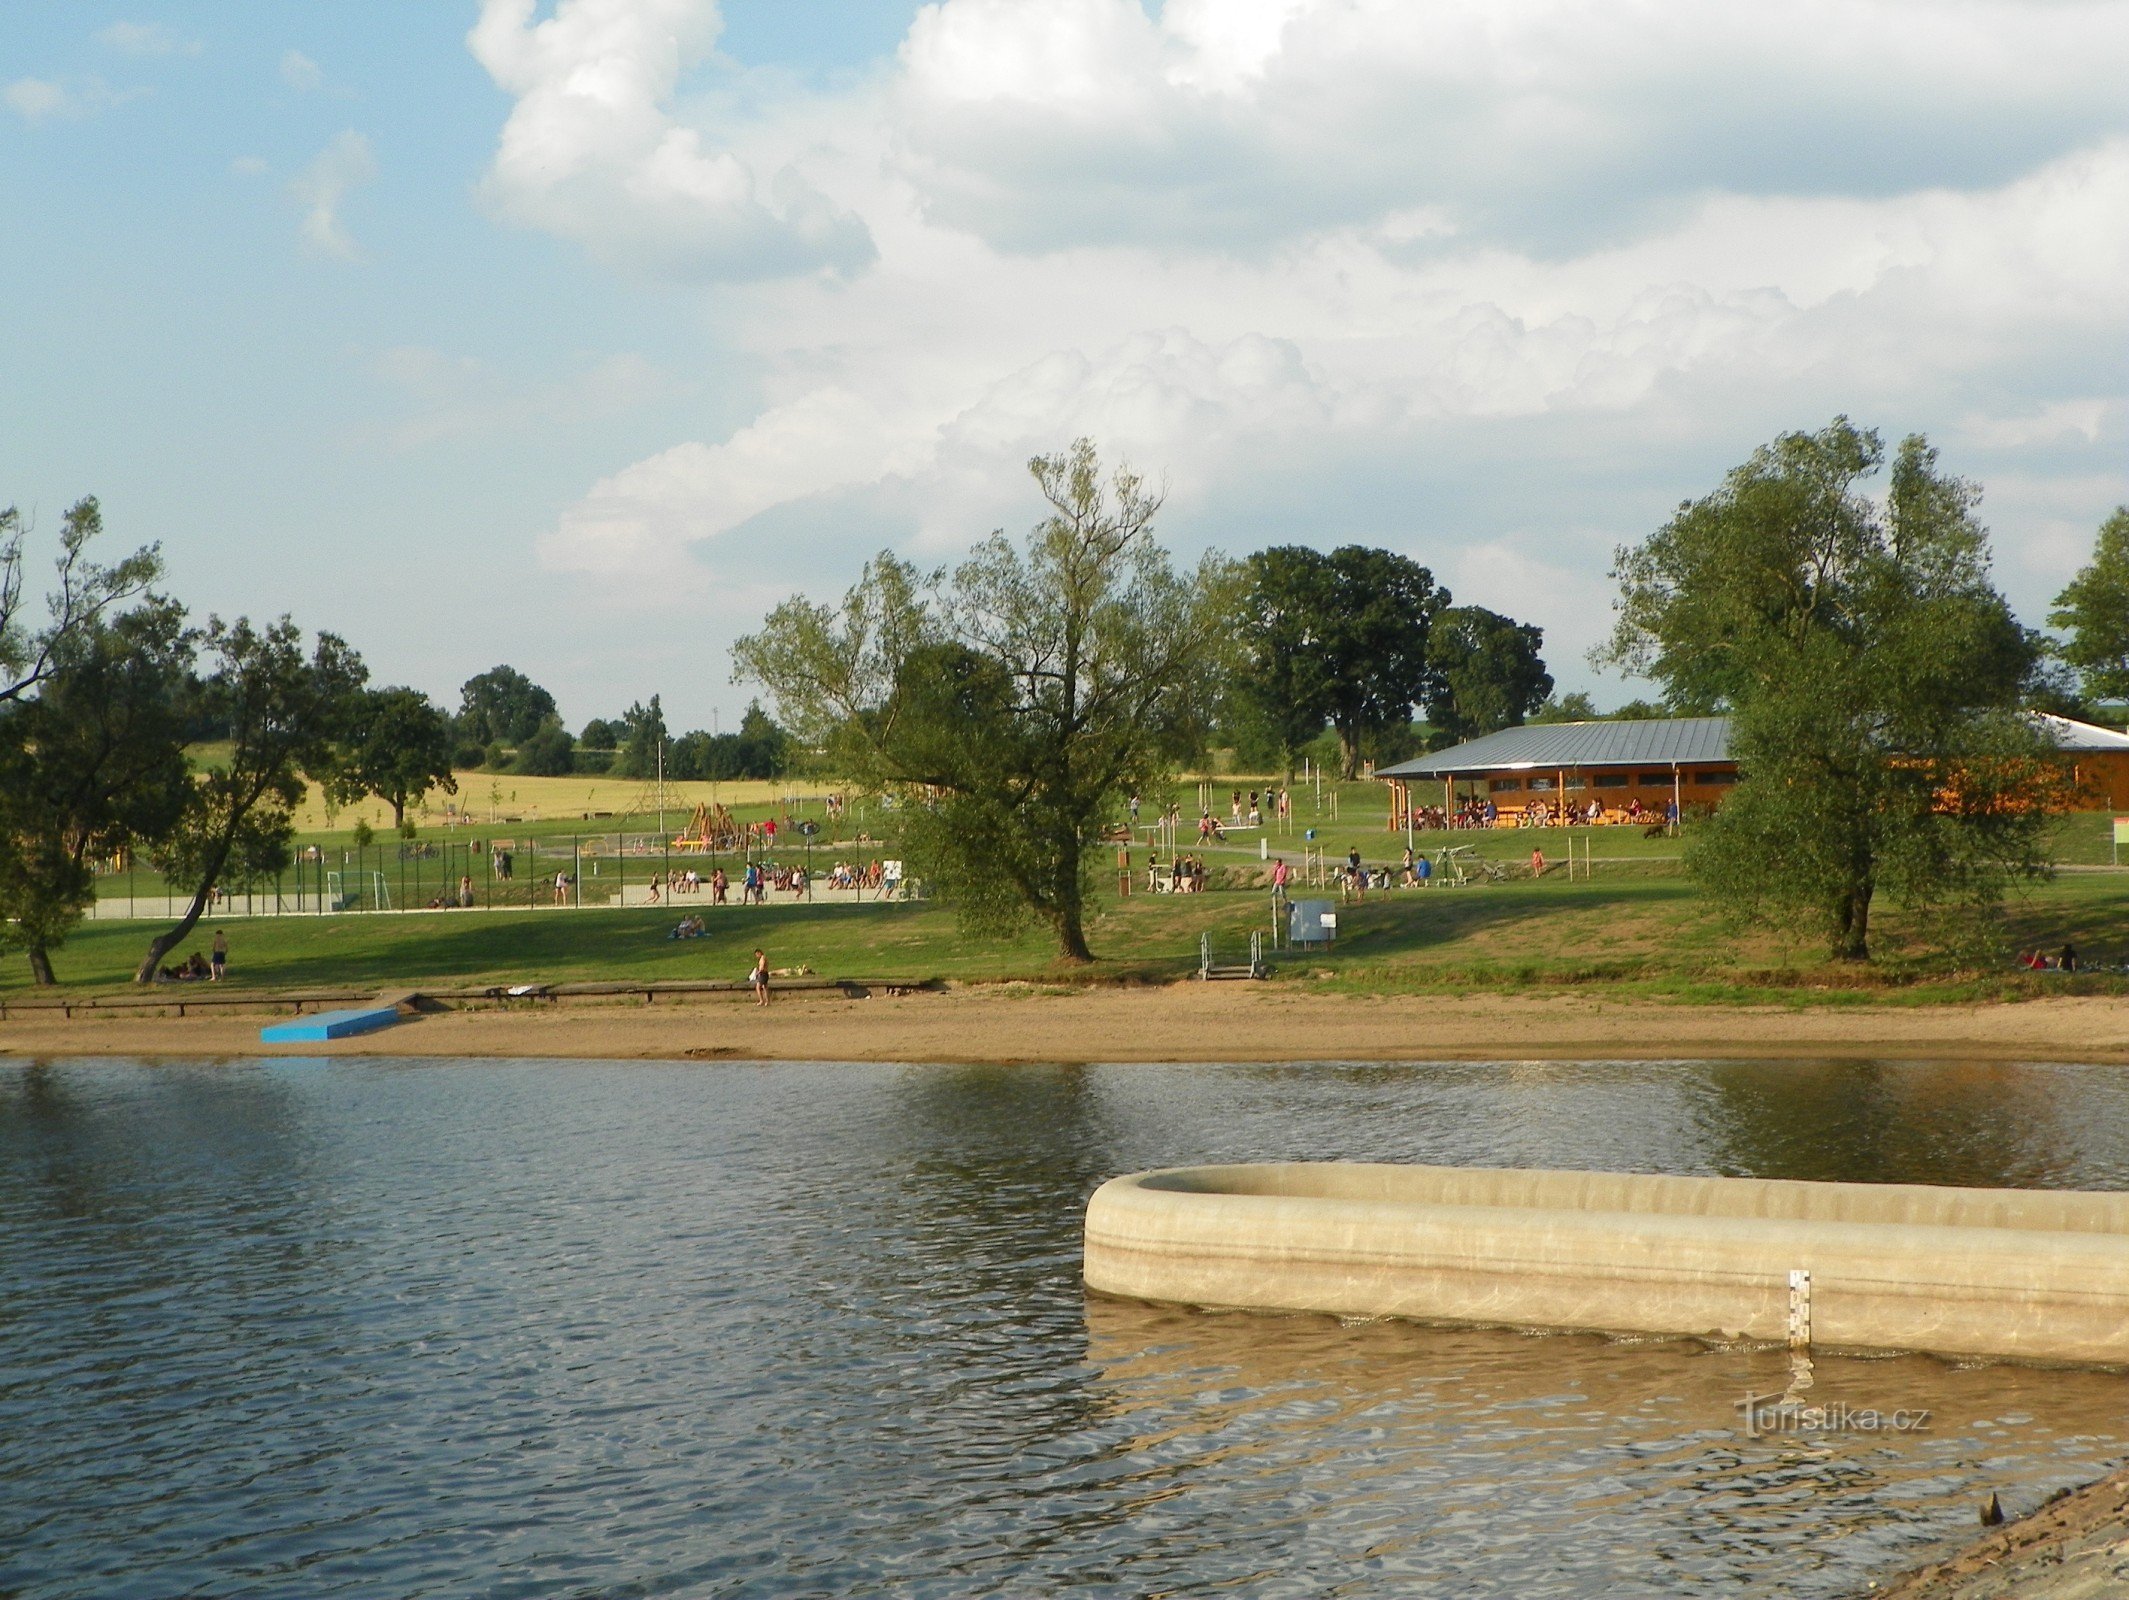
377, 1328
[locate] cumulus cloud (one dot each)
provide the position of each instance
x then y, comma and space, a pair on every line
321, 186
146, 39
593, 152
1544, 123
1491, 284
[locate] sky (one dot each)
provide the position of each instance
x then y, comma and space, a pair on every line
575, 335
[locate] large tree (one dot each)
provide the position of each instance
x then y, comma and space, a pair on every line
1339, 638
1015, 704
2094, 611
91, 765
1874, 678
285, 712
502, 706
398, 747
1488, 674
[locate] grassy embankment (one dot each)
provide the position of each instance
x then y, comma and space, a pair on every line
1636, 928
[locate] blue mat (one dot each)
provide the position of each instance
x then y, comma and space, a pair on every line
330, 1025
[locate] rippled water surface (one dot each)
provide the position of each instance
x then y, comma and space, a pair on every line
374, 1328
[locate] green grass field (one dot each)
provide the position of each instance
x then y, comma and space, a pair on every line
1637, 925
1638, 928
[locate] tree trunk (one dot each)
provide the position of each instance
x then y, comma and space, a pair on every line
1072, 937
1348, 750
41, 966
163, 943
399, 812
1852, 938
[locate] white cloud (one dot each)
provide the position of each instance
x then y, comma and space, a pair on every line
1547, 123
146, 39
593, 153
37, 100
301, 73
320, 188
1491, 284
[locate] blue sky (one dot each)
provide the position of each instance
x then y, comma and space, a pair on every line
576, 335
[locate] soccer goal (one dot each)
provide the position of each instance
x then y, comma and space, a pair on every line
347, 891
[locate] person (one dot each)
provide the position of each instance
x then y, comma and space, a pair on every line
1410, 868
1424, 871
2067, 961
465, 891
218, 964
759, 978
1134, 811
1537, 862
720, 885
561, 888
653, 900
195, 966
1355, 879
1281, 875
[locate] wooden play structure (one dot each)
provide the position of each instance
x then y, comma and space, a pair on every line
711, 828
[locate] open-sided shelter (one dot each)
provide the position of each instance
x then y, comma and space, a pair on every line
1659, 762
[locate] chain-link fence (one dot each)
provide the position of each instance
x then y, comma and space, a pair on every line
528, 872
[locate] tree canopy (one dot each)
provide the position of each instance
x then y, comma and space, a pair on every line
1874, 677
285, 712
30, 649
502, 706
1339, 638
90, 766
1014, 703
398, 747
1486, 673
2094, 610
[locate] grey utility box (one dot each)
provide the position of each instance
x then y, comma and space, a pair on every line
1312, 922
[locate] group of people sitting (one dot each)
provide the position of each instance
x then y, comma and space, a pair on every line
1183, 875
859, 875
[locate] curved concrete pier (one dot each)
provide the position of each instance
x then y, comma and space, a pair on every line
2031, 1275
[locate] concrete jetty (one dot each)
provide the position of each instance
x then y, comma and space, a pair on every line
2029, 1275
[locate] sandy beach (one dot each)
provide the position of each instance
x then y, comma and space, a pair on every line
1181, 1022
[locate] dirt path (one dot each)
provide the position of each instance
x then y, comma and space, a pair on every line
1184, 1022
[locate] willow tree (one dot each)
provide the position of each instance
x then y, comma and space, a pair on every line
1874, 678
1015, 702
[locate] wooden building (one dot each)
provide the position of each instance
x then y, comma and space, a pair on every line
1652, 765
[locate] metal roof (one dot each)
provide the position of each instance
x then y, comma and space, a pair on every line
2071, 735
1566, 746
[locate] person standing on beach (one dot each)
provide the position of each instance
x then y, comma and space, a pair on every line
218, 961
759, 978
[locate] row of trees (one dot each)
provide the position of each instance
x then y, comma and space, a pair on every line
1017, 698
508, 722
104, 695
98, 701
1879, 686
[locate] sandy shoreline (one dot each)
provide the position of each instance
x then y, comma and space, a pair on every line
1182, 1022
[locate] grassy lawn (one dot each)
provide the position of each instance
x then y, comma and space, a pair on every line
1639, 928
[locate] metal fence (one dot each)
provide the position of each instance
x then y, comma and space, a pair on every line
528, 872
